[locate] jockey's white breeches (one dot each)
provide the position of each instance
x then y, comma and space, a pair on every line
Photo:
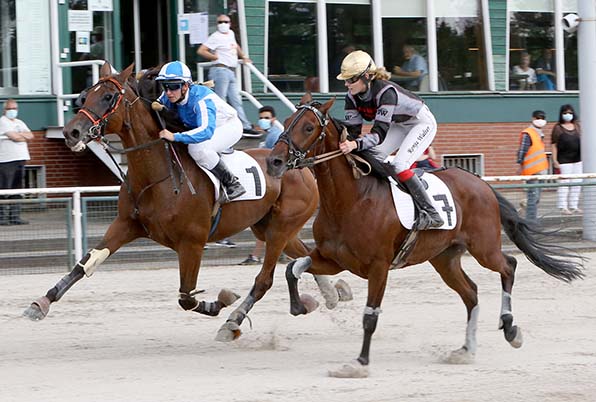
412, 137
225, 136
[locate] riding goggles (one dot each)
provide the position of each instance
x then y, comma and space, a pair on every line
171, 86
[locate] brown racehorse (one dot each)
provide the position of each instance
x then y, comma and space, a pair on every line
357, 229
149, 206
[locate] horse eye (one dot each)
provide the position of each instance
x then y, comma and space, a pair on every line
309, 128
108, 97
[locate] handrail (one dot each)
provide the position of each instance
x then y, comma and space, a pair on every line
60, 95
201, 77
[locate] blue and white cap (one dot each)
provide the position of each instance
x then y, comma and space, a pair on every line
175, 71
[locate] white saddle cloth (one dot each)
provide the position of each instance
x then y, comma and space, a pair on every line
438, 193
247, 170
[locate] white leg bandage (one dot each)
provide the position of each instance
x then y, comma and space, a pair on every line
471, 330
96, 257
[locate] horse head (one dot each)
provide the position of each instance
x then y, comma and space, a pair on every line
101, 108
305, 130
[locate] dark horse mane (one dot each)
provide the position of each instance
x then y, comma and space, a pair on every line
379, 169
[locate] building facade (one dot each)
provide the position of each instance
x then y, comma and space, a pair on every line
477, 54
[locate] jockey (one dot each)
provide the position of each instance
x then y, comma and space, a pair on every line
215, 125
401, 121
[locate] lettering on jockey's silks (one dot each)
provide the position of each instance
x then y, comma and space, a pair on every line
382, 112
446, 207
419, 139
255, 174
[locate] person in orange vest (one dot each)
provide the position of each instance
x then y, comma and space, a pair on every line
532, 159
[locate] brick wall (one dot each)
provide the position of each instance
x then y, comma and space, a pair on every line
64, 168
497, 141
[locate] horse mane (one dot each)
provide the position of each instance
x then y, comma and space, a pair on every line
379, 168
149, 90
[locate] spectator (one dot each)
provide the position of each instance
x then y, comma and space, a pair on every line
528, 81
566, 149
412, 71
532, 159
545, 71
14, 135
221, 47
267, 121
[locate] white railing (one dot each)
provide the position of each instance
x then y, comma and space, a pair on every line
76, 192
59, 84
248, 84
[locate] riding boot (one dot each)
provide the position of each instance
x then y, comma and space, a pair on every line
230, 182
428, 217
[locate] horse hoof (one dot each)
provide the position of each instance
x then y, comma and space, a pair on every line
517, 340
38, 309
228, 332
343, 290
227, 297
309, 302
351, 370
460, 356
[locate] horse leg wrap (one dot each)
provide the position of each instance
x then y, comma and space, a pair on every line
300, 266
505, 308
369, 323
187, 302
470, 344
93, 259
65, 283
209, 308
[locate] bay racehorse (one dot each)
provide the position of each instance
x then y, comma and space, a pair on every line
157, 201
357, 229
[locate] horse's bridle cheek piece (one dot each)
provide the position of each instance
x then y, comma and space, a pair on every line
98, 122
296, 154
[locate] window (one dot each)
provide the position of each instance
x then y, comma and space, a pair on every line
292, 48
460, 45
409, 20
8, 47
532, 50
348, 29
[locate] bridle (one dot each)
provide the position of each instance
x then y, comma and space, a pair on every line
297, 157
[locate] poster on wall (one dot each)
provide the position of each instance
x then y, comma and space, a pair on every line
199, 27
100, 5
80, 20
83, 44
33, 47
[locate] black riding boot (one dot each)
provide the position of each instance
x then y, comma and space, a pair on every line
230, 182
428, 217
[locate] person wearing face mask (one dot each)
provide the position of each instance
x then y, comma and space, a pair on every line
214, 124
566, 148
401, 121
532, 159
266, 123
222, 48
14, 135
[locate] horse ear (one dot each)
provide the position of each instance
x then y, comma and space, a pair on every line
325, 108
307, 98
127, 72
106, 70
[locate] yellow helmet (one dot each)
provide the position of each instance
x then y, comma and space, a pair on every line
356, 64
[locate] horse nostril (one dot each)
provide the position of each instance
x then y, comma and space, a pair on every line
277, 162
76, 134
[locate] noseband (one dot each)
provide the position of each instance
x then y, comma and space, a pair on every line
297, 156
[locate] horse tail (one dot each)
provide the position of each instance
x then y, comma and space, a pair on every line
539, 246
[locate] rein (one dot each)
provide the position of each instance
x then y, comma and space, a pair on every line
299, 159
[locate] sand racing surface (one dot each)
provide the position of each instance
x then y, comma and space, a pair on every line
120, 336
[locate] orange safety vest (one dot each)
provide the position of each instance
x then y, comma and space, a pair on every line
535, 159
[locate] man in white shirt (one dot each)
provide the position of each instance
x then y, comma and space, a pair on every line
221, 47
14, 135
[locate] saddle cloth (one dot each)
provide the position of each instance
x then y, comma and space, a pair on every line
438, 193
247, 170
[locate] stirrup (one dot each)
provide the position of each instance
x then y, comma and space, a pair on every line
234, 191
425, 221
